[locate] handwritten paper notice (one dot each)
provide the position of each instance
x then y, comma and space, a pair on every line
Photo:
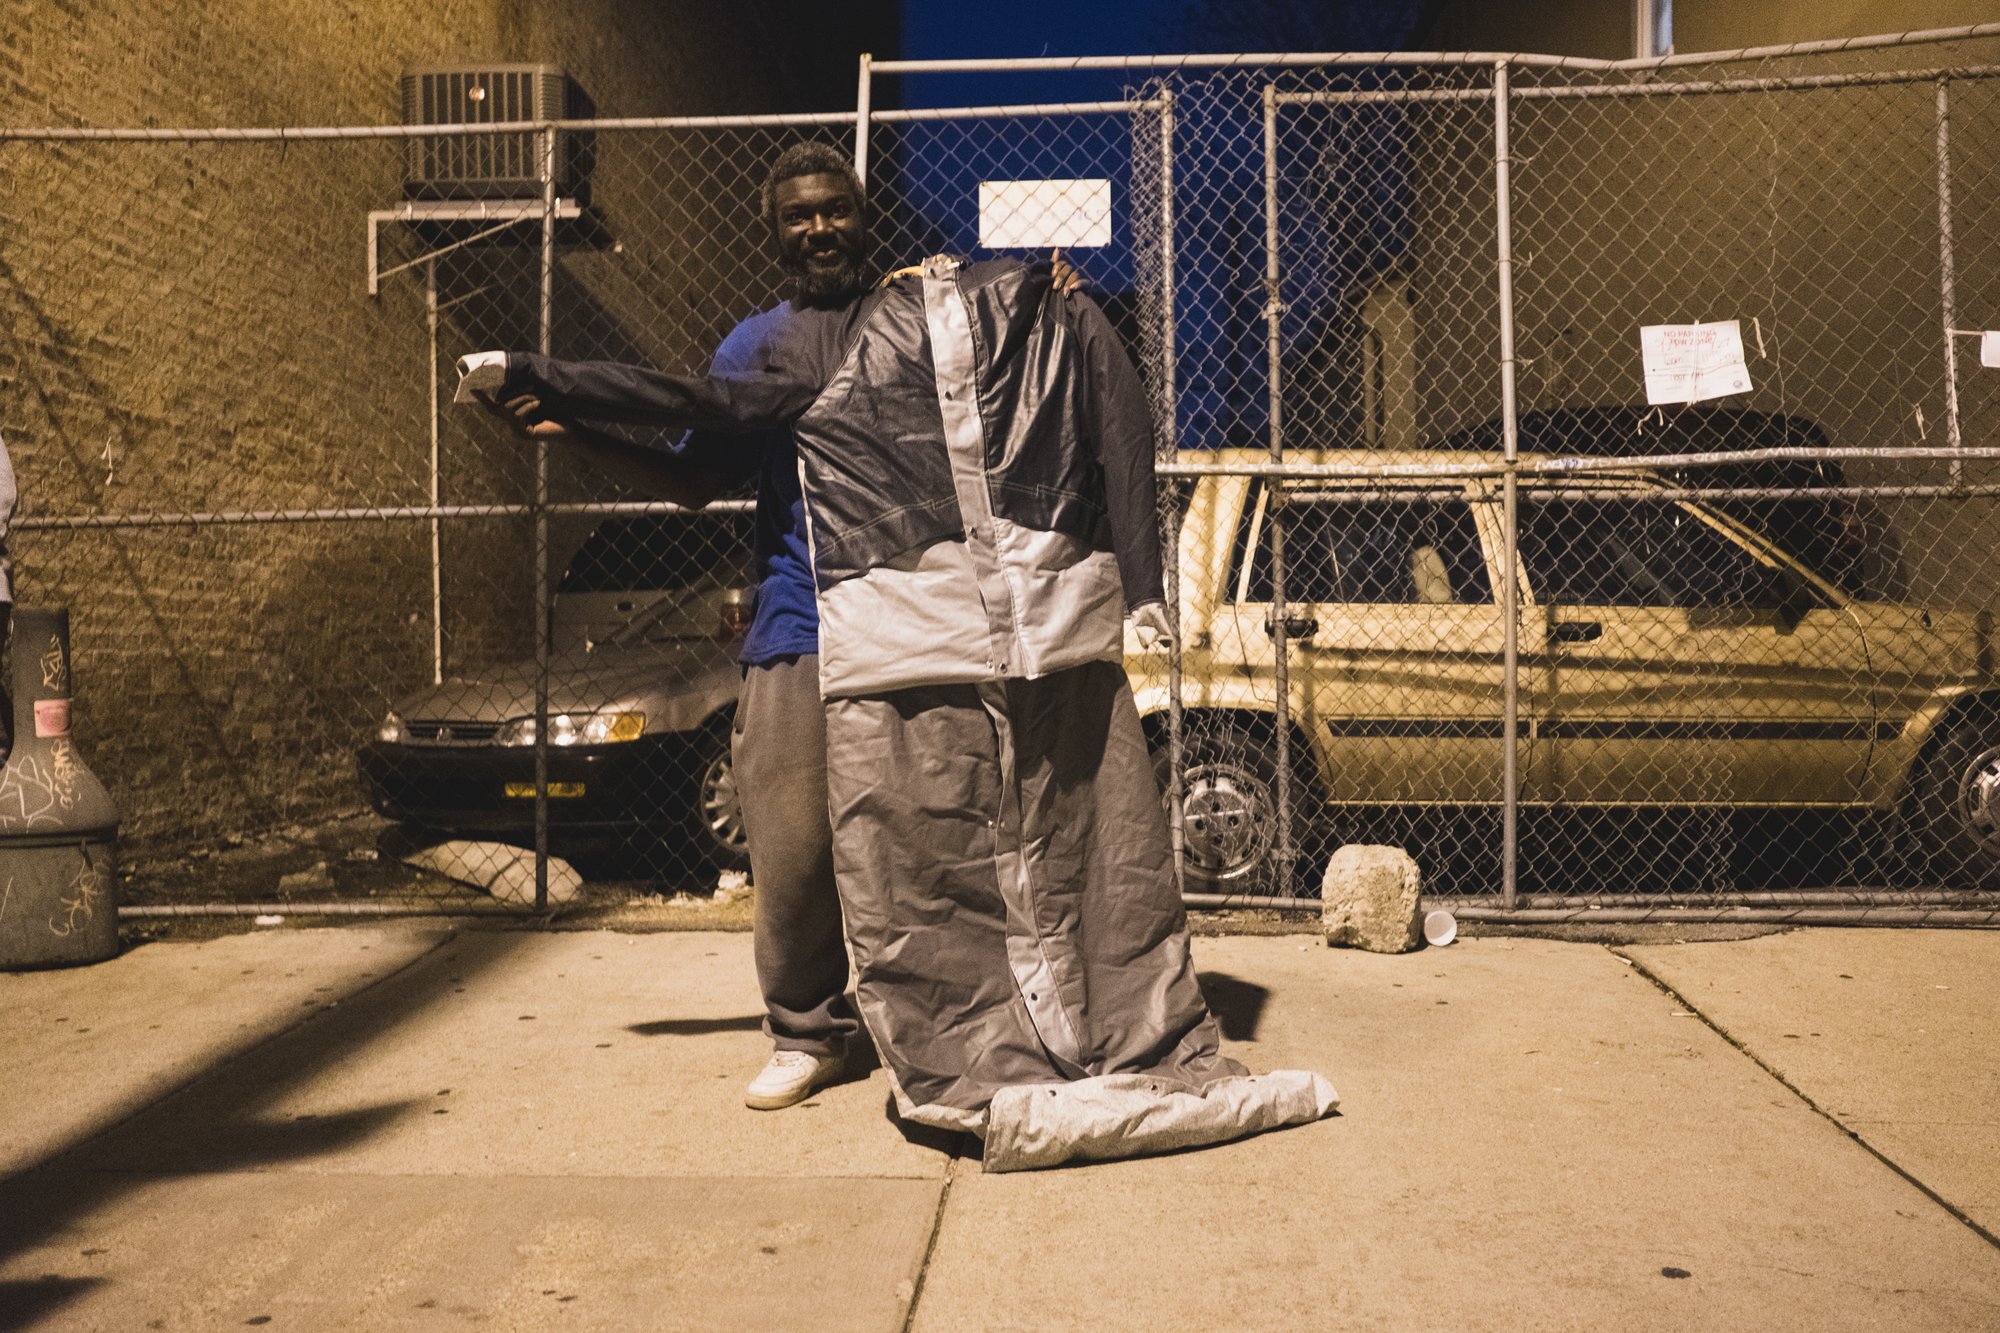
1989, 349
1024, 215
1686, 363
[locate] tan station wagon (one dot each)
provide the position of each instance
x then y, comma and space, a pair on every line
1669, 657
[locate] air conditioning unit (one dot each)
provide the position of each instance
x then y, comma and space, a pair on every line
486, 166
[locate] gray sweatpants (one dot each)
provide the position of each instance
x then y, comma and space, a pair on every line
779, 746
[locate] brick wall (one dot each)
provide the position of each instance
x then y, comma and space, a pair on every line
184, 328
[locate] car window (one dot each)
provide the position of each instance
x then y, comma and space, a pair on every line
659, 552
695, 612
1376, 551
1638, 553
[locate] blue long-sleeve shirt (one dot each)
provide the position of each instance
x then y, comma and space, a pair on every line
785, 621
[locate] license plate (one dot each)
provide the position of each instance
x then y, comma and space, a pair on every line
557, 790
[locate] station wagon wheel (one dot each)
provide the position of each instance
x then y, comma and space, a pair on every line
718, 810
1958, 805
1229, 811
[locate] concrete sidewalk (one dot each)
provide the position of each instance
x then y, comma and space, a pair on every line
415, 1127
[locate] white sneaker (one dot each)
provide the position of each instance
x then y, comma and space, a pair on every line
790, 1078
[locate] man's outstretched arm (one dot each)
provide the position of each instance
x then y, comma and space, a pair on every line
612, 391
660, 473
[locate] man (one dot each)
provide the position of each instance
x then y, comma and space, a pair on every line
975, 460
813, 203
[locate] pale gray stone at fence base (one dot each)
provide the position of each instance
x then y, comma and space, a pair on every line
1369, 899
506, 872
316, 878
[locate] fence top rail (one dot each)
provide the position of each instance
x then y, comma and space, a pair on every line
1023, 109
304, 133
1039, 64
360, 514
1662, 88
1548, 465
1025, 64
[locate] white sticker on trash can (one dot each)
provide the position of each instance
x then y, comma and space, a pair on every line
51, 718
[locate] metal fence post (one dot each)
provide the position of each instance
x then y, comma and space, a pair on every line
1170, 446
863, 98
1948, 275
1281, 681
437, 531
543, 628
1510, 592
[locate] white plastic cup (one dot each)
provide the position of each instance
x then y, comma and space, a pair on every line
1440, 928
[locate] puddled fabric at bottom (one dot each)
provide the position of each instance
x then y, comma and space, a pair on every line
1022, 954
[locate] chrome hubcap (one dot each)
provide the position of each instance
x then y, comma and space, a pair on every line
1227, 820
721, 812
1979, 796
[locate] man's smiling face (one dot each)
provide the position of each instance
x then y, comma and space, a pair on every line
822, 238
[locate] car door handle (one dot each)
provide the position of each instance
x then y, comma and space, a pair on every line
1577, 631
1296, 627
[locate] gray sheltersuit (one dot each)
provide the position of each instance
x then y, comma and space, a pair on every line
976, 471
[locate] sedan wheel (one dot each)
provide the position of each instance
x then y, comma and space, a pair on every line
1958, 807
1979, 797
719, 810
1229, 813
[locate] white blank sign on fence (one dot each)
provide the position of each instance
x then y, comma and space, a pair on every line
1686, 363
1035, 215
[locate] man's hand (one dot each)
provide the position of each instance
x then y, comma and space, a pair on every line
1155, 632
525, 415
1063, 274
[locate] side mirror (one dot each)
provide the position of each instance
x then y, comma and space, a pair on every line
1796, 599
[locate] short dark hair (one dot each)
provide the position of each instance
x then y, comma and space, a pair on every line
808, 159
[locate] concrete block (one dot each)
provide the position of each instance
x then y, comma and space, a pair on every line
1369, 899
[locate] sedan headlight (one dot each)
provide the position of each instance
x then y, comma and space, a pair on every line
391, 732
575, 729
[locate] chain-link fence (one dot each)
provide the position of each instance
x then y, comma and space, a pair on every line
1444, 577
1565, 643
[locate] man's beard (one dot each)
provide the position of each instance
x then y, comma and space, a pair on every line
835, 285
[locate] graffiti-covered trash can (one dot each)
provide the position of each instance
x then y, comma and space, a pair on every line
58, 827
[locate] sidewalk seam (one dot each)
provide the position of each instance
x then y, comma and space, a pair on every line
930, 1245
1801, 1094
